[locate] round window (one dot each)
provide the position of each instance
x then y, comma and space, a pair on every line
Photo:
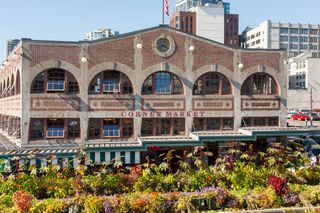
163, 45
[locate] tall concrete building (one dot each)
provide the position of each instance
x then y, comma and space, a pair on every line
11, 44
208, 19
295, 38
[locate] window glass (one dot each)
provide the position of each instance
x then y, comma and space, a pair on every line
56, 79
163, 83
111, 127
55, 128
73, 128
38, 84
127, 128
147, 127
37, 129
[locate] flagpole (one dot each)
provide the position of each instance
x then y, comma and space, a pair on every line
162, 12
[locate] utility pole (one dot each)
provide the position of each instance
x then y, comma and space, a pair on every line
310, 105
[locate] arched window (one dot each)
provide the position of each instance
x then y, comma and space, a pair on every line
8, 87
55, 81
12, 90
110, 82
212, 83
259, 84
18, 83
162, 83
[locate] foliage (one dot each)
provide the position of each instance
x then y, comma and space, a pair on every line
22, 200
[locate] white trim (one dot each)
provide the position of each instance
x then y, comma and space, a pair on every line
137, 157
108, 157
97, 157
127, 161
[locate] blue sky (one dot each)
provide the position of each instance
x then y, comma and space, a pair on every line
71, 19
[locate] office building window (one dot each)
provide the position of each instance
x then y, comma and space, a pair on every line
313, 39
314, 55
293, 38
303, 31
303, 46
284, 30
293, 46
313, 32
283, 38
283, 46
303, 39
294, 31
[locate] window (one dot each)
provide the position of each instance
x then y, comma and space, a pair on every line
212, 83
163, 126
313, 39
147, 127
314, 55
56, 80
73, 128
294, 31
38, 84
294, 46
258, 84
303, 31
177, 18
303, 46
162, 83
313, 32
284, 30
303, 39
283, 38
127, 128
111, 127
36, 129
94, 129
110, 82
313, 47
55, 128
283, 46
260, 121
212, 124
293, 38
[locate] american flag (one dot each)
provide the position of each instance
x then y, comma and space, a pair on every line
166, 7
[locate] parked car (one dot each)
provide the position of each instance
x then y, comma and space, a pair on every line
315, 116
316, 137
305, 143
292, 111
300, 117
305, 111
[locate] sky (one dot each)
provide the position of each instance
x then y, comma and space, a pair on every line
71, 19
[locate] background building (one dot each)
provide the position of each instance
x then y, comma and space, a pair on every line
208, 19
100, 34
304, 76
295, 38
11, 44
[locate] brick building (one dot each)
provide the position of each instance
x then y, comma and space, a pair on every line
118, 97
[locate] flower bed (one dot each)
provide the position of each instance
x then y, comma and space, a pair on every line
240, 181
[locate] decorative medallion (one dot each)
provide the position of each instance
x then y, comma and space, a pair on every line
164, 45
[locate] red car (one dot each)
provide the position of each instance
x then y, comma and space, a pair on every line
300, 117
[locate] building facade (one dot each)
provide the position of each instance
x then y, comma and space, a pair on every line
11, 44
154, 87
295, 38
304, 87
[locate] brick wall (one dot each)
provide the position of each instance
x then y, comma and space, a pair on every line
150, 57
43, 52
205, 54
117, 50
270, 59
